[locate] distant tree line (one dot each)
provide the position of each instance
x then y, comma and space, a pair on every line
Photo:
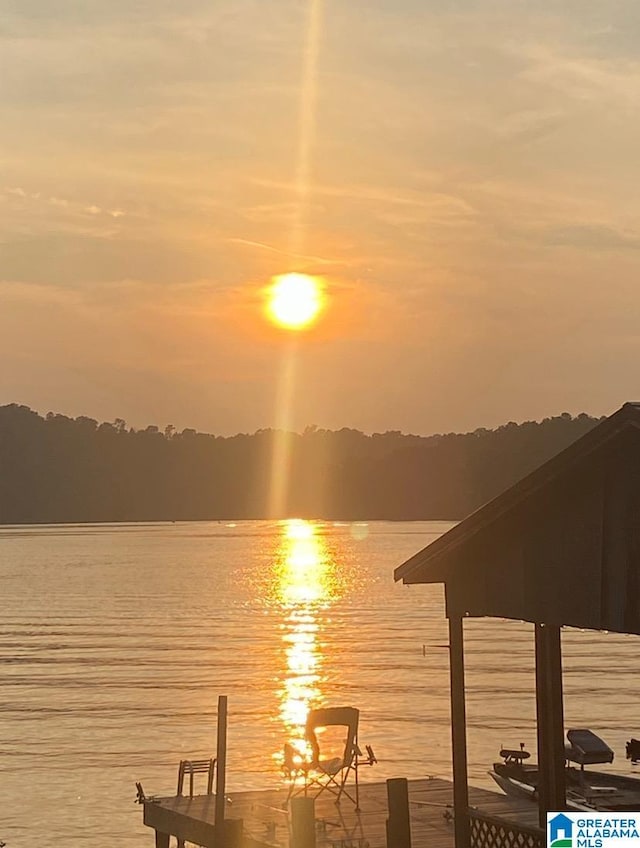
60, 469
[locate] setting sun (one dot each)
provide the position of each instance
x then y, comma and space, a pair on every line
295, 300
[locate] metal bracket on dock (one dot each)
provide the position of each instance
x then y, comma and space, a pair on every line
141, 798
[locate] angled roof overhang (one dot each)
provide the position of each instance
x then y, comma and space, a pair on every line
561, 546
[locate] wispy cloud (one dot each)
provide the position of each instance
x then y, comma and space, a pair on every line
613, 81
321, 260
425, 199
591, 237
62, 203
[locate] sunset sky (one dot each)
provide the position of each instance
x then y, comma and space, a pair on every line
463, 175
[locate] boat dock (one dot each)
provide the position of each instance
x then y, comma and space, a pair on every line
265, 819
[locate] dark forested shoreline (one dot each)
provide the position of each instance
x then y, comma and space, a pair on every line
60, 469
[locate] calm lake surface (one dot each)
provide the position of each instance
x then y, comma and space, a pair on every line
116, 640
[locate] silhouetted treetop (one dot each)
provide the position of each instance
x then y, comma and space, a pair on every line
61, 469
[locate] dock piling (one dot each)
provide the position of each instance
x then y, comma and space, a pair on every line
233, 833
399, 822
221, 767
303, 823
162, 840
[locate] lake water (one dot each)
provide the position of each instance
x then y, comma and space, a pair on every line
116, 640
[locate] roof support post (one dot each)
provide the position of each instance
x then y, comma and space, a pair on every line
458, 733
550, 721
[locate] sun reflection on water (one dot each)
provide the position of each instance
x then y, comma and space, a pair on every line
306, 583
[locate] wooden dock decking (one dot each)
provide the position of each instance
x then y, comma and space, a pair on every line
266, 820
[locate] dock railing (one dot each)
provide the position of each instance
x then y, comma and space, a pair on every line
492, 832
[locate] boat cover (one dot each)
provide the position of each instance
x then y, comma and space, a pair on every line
586, 749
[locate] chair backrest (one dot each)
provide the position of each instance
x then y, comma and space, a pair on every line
333, 717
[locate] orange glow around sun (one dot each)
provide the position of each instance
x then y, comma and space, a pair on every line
294, 300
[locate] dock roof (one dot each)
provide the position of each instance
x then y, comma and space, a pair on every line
561, 546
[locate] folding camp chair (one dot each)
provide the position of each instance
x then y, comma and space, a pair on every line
328, 775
